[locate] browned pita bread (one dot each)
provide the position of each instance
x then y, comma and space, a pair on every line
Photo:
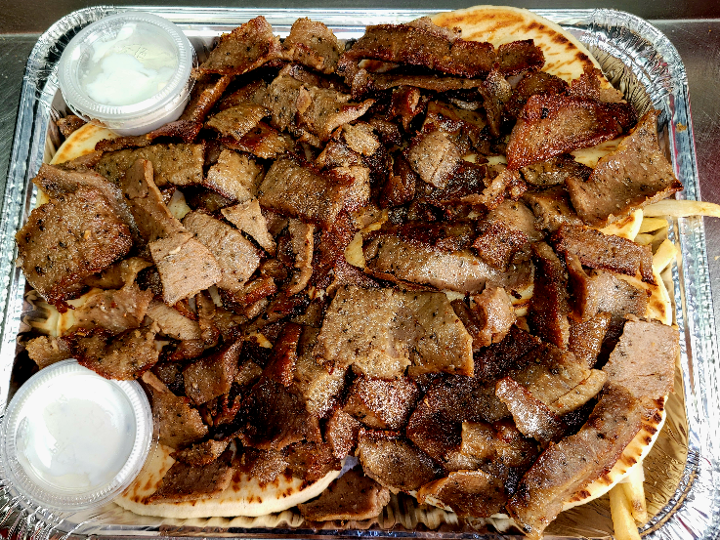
244, 497
565, 56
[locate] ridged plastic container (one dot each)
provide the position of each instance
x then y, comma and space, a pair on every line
143, 39
75, 470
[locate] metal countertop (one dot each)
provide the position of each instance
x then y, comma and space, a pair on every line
693, 26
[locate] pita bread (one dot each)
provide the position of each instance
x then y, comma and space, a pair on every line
565, 56
244, 497
82, 141
631, 457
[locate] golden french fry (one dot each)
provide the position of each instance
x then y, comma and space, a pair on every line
635, 493
621, 512
651, 224
626, 228
674, 208
664, 255
644, 239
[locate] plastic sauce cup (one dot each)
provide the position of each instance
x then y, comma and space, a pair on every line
128, 72
72, 440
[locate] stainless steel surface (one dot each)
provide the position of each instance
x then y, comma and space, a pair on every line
692, 509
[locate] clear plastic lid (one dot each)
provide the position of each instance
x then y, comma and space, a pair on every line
129, 72
72, 440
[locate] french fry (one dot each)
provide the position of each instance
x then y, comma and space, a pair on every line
626, 228
664, 255
635, 493
644, 239
621, 512
651, 224
675, 208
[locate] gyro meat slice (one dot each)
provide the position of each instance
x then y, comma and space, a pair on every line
552, 208
436, 424
47, 350
201, 454
586, 338
115, 310
68, 239
360, 328
532, 417
643, 362
434, 156
311, 461
125, 356
277, 417
381, 403
394, 462
425, 45
55, 181
302, 242
283, 359
341, 433
179, 424
248, 217
493, 362
319, 387
438, 340
533, 82
399, 187
213, 375
380, 332
552, 374
175, 164
575, 461
549, 307
281, 98
313, 44
185, 130
246, 48
262, 141
322, 110
189, 482
596, 291
172, 323
186, 266
393, 258
634, 175
554, 172
153, 217
550, 125
235, 176
608, 252
516, 216
493, 315
353, 496
497, 244
467, 493
297, 191
237, 257
237, 121
205, 94
69, 124
364, 83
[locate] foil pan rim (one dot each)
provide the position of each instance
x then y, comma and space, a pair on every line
692, 512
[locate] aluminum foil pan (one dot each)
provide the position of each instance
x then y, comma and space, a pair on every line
682, 472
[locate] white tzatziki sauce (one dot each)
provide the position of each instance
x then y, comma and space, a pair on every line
129, 68
76, 434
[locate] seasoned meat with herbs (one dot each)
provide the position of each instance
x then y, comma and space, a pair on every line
69, 238
352, 496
